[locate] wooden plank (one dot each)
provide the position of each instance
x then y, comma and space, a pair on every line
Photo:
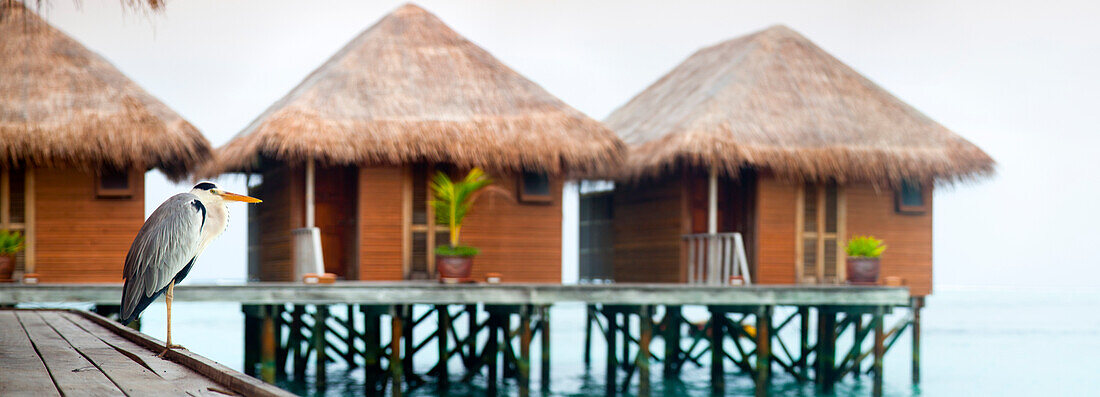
131, 377
189, 381
24, 373
232, 380
71, 372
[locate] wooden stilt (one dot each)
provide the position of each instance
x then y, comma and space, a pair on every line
350, 338
589, 317
763, 349
492, 350
280, 350
372, 354
826, 348
645, 335
880, 337
300, 356
625, 329
441, 336
804, 341
507, 369
544, 333
320, 347
917, 305
410, 345
524, 364
611, 333
672, 341
267, 344
717, 350
395, 365
252, 325
855, 353
471, 323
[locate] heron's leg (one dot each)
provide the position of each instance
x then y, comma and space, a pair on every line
168, 302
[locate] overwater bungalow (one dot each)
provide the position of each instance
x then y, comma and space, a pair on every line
76, 138
770, 137
352, 148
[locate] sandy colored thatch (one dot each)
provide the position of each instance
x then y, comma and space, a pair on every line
410, 89
63, 105
773, 100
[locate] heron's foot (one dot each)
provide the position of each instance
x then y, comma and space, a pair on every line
167, 348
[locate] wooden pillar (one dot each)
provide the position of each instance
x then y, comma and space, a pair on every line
544, 333
712, 202
611, 333
252, 325
5, 198
507, 371
645, 335
396, 326
492, 350
717, 350
857, 350
320, 347
918, 304
441, 335
299, 353
763, 349
372, 339
672, 341
471, 321
30, 228
410, 344
352, 336
826, 348
524, 364
625, 329
267, 344
311, 182
281, 351
880, 337
589, 317
804, 340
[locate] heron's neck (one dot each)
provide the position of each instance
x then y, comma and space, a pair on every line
217, 220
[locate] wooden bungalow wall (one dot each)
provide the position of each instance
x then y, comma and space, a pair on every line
648, 225
522, 241
81, 238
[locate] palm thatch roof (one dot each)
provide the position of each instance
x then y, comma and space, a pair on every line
410, 89
63, 105
773, 100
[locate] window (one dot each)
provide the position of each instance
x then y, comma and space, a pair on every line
910, 199
534, 187
112, 183
820, 220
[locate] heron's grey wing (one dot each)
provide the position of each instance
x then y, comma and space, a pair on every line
166, 243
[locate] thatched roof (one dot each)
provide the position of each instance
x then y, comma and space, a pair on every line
773, 100
410, 89
63, 105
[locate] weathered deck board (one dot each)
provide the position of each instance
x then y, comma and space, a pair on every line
24, 373
507, 294
73, 374
189, 381
132, 378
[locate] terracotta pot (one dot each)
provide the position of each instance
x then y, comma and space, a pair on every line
7, 267
453, 269
863, 270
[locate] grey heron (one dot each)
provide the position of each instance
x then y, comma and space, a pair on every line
168, 244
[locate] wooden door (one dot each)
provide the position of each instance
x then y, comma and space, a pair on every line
820, 220
335, 211
422, 232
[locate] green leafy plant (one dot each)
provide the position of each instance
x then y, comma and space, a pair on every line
865, 247
11, 243
453, 200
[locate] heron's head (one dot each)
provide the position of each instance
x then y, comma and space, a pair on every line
209, 190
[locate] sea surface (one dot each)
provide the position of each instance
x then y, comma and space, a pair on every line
975, 342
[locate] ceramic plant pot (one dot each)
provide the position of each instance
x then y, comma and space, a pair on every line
453, 269
7, 267
863, 271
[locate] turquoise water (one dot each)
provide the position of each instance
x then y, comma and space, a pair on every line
975, 342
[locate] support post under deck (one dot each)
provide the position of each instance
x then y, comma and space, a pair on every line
672, 341
763, 349
917, 305
544, 333
880, 337
645, 325
717, 350
395, 365
611, 334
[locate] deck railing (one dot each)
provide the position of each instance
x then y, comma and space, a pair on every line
715, 258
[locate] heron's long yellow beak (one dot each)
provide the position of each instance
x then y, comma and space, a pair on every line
239, 197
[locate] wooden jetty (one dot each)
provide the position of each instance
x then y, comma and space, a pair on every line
498, 330
69, 352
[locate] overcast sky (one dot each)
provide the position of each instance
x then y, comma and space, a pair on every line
1016, 78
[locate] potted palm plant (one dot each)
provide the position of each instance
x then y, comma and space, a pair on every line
863, 259
11, 243
453, 200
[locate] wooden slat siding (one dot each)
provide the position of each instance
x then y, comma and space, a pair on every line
131, 378
71, 372
22, 372
232, 380
776, 204
648, 225
79, 237
380, 220
186, 379
521, 241
908, 237
276, 215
